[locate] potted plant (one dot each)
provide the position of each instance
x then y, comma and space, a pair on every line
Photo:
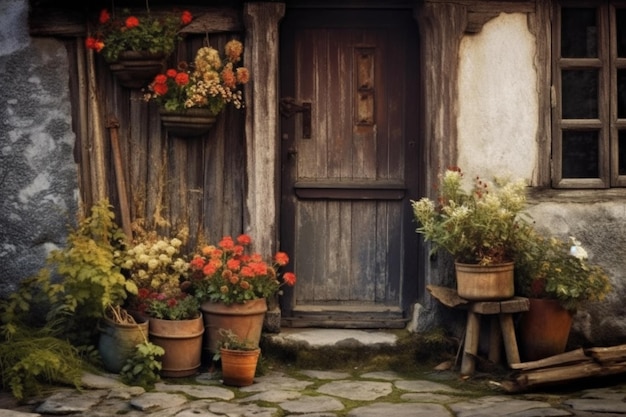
136, 45
238, 359
191, 96
558, 278
479, 228
156, 266
233, 285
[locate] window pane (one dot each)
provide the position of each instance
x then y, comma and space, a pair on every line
579, 33
620, 25
621, 94
580, 155
580, 94
622, 153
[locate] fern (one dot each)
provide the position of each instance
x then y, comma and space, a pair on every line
32, 358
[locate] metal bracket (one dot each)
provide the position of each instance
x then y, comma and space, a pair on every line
288, 107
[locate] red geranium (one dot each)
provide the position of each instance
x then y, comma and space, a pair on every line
227, 273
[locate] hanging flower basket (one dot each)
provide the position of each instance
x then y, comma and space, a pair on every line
136, 69
187, 123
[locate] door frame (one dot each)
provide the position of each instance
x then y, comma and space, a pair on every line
409, 287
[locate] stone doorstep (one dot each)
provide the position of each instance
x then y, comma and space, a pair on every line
323, 338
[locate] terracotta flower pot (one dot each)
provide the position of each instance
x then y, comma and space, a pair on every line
543, 329
244, 320
182, 342
239, 366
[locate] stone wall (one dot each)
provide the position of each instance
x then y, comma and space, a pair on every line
38, 175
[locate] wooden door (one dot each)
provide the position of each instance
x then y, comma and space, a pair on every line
349, 152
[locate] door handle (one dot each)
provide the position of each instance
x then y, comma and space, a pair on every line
289, 106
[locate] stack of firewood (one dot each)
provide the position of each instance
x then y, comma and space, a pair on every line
576, 364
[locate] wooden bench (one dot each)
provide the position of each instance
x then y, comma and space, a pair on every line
501, 329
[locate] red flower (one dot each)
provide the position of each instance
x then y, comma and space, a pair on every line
289, 278
226, 243
209, 269
160, 79
281, 258
244, 240
238, 249
186, 17
197, 262
104, 16
93, 43
160, 88
143, 293
182, 78
228, 76
170, 73
132, 22
172, 302
233, 264
247, 272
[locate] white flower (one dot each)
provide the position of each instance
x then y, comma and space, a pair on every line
577, 250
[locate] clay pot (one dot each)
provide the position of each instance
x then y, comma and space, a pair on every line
544, 329
239, 366
182, 342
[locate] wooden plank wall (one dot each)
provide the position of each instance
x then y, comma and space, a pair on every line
192, 187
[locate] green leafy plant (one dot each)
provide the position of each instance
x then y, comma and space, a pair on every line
136, 32
230, 341
476, 226
549, 267
143, 367
33, 357
210, 82
227, 273
52, 319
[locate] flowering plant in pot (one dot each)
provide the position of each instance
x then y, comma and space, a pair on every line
145, 32
233, 286
157, 267
548, 267
202, 88
160, 272
478, 227
558, 279
228, 273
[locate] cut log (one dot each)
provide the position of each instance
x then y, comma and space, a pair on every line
567, 358
608, 354
561, 374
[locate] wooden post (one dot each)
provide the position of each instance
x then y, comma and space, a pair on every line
113, 125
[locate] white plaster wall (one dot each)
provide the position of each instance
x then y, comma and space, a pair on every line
498, 102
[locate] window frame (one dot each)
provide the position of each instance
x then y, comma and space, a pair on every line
607, 125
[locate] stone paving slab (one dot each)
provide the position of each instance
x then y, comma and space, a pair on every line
314, 393
400, 410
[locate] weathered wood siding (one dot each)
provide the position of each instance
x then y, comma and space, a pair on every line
174, 185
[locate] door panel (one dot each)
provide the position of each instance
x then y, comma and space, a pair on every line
347, 180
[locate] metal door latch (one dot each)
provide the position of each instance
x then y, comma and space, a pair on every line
288, 106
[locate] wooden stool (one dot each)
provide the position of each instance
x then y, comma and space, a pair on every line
501, 330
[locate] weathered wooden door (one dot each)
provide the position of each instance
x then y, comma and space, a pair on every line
349, 151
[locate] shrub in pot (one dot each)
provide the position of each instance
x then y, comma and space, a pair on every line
558, 278
479, 227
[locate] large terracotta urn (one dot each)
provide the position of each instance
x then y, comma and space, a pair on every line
245, 320
543, 329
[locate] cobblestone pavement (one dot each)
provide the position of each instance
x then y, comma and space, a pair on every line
313, 393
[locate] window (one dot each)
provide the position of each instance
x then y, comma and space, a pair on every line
589, 112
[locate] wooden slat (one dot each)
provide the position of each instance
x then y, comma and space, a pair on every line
574, 356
